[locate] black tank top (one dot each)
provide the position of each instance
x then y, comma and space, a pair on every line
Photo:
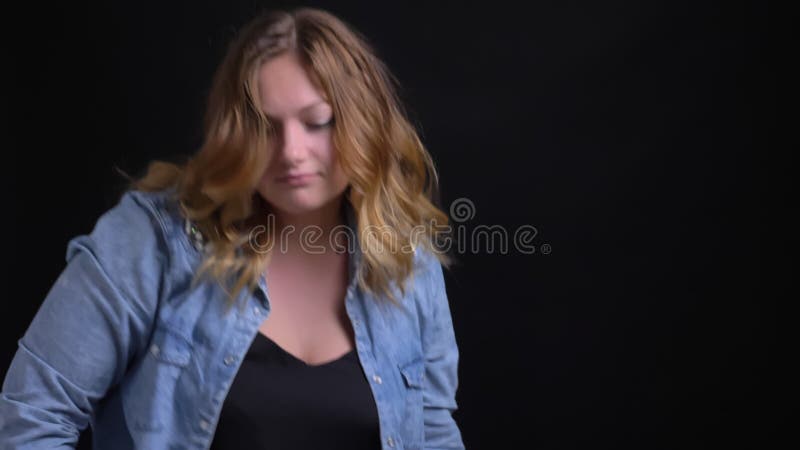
278, 402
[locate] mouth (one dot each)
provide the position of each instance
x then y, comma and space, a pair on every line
295, 179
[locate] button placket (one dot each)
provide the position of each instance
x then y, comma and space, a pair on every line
195, 236
220, 395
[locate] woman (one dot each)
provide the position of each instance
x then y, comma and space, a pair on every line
199, 313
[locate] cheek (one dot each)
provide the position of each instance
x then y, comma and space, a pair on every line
272, 164
339, 178
335, 171
326, 152
326, 156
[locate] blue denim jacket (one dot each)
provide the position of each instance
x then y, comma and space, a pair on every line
125, 344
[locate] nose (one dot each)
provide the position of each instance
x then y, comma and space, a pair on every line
292, 145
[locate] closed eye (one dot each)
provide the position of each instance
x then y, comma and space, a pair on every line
319, 126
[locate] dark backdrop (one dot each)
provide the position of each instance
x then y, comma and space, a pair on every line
633, 136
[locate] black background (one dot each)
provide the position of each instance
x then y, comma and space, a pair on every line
635, 137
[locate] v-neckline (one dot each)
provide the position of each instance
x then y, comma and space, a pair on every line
300, 361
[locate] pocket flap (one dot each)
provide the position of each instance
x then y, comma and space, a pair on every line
170, 347
413, 372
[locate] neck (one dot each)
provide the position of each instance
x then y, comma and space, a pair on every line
311, 229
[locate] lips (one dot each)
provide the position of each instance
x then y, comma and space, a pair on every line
297, 177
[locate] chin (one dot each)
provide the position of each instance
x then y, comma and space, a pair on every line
296, 203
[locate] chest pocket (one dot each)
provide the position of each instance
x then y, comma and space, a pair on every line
149, 393
413, 374
170, 347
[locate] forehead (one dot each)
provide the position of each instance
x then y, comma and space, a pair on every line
286, 89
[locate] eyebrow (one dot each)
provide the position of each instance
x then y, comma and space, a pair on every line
318, 102
304, 108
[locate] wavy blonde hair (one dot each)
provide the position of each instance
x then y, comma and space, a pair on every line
392, 176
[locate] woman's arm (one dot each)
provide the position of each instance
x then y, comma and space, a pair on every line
91, 324
441, 367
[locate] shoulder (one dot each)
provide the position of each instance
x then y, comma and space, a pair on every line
134, 223
425, 263
133, 242
428, 279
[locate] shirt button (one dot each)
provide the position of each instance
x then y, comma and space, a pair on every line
390, 441
355, 322
229, 360
155, 350
257, 310
377, 379
204, 425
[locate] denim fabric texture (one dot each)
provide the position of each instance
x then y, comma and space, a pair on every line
123, 343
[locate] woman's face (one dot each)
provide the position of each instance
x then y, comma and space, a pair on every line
303, 140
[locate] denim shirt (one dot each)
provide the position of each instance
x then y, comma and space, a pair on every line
125, 343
